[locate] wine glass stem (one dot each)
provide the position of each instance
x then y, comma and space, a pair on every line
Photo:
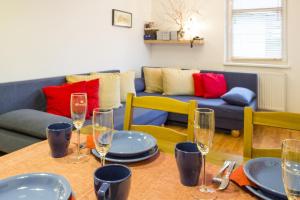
102, 161
204, 173
78, 143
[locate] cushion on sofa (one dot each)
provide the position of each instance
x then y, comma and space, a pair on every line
30, 122
58, 98
178, 82
214, 85
198, 85
139, 84
153, 79
109, 89
91, 90
126, 84
239, 96
11, 141
140, 116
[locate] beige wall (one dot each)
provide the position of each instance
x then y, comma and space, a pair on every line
211, 54
43, 38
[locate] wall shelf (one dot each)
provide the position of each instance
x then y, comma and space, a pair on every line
175, 42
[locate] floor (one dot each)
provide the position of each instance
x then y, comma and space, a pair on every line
264, 137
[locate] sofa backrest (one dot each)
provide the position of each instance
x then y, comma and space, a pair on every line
28, 94
238, 79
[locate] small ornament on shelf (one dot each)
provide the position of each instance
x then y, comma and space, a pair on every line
150, 31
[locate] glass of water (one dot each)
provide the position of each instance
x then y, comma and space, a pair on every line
291, 168
103, 128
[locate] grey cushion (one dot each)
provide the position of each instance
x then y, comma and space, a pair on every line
11, 141
30, 122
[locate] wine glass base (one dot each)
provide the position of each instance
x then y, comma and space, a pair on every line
205, 189
79, 159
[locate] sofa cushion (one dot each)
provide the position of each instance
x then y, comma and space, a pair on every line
109, 89
11, 141
30, 122
178, 82
139, 84
214, 85
239, 96
153, 79
58, 98
92, 91
140, 116
221, 108
126, 84
198, 85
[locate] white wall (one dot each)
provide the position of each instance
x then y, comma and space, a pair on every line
211, 54
44, 38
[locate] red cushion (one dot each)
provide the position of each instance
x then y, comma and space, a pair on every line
198, 84
214, 85
92, 89
58, 98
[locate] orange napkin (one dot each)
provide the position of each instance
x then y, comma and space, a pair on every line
239, 177
72, 197
90, 142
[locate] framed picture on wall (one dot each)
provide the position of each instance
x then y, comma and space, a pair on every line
121, 18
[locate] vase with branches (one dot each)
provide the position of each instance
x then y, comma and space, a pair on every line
179, 12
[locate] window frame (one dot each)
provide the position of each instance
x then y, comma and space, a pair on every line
273, 62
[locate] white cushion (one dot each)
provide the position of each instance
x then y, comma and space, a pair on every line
178, 82
153, 79
127, 84
109, 89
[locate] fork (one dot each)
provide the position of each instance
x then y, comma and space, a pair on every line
225, 180
218, 177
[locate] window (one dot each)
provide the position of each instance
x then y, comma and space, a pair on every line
256, 30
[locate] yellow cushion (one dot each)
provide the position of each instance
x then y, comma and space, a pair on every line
109, 89
127, 84
78, 78
153, 79
178, 82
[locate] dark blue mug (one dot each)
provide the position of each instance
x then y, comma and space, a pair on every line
189, 162
112, 182
59, 135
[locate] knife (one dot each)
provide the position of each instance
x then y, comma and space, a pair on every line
225, 180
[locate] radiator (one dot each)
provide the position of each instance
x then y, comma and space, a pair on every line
272, 91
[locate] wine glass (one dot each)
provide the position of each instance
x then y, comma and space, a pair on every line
78, 114
103, 127
290, 156
204, 129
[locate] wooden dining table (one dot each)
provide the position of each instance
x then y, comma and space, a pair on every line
154, 179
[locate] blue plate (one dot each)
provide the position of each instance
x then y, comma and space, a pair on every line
266, 174
35, 186
133, 159
261, 194
131, 143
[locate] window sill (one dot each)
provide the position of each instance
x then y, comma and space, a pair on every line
261, 65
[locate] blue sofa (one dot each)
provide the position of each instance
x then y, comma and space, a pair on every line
23, 118
228, 117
